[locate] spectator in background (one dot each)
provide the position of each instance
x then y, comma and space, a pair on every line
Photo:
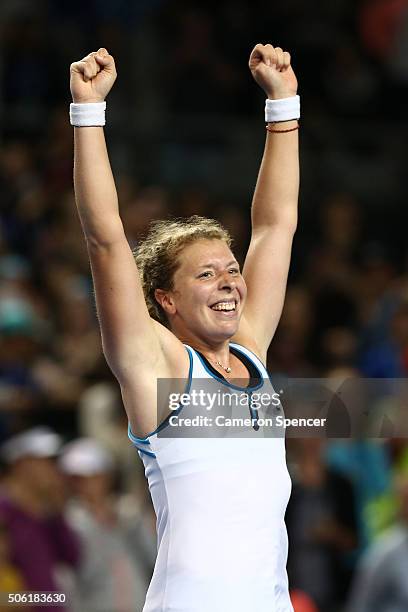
389, 358
365, 462
321, 527
383, 26
381, 580
19, 348
197, 64
344, 296
101, 417
379, 25
111, 575
288, 353
11, 580
302, 602
32, 500
331, 280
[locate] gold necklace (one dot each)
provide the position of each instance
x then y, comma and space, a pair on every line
227, 369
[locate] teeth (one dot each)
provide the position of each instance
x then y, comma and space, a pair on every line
224, 306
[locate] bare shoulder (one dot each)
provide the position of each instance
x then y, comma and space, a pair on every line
170, 370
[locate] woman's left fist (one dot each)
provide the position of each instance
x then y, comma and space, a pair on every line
271, 69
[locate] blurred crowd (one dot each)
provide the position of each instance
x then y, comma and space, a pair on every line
185, 134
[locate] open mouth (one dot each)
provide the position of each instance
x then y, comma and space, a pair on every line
225, 306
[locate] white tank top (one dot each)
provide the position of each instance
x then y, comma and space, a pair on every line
220, 504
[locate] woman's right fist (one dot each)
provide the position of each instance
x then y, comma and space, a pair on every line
92, 78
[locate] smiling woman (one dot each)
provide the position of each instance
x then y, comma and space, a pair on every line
185, 313
157, 259
207, 296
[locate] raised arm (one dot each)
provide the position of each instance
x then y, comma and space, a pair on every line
274, 205
131, 341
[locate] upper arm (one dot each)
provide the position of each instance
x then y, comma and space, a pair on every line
265, 272
138, 349
128, 333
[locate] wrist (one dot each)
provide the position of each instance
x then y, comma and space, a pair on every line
87, 114
79, 100
288, 123
283, 127
282, 109
281, 95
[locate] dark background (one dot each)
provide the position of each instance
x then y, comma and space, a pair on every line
185, 133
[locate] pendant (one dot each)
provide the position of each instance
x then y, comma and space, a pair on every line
226, 369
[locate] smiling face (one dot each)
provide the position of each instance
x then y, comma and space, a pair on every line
208, 293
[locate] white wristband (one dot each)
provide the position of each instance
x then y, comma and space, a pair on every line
284, 109
88, 114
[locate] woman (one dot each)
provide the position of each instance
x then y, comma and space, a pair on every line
220, 503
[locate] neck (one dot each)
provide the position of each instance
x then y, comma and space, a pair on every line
218, 356
102, 507
27, 499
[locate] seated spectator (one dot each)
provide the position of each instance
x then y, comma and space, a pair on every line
19, 348
389, 359
11, 580
321, 528
381, 580
109, 577
31, 503
302, 602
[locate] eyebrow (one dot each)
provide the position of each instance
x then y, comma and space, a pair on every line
211, 265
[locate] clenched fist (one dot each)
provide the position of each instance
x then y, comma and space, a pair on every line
93, 77
271, 69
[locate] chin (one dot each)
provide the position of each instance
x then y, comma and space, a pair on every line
218, 331
226, 332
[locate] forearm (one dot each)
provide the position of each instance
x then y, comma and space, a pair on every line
277, 189
95, 190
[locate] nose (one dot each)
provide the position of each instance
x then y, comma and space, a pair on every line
227, 281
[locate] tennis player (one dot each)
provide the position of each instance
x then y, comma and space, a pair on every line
181, 309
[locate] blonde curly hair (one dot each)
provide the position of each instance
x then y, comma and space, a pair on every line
156, 255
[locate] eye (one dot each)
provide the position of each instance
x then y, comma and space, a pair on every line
205, 274
234, 271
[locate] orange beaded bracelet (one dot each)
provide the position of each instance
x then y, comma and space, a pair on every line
269, 129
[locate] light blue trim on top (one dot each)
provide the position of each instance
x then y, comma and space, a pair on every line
145, 452
239, 348
134, 439
164, 424
280, 406
228, 384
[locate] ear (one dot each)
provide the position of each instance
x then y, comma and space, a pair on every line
166, 301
